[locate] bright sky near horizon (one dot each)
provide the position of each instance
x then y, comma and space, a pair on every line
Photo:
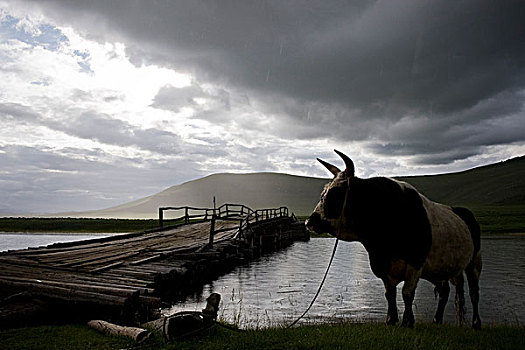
104, 102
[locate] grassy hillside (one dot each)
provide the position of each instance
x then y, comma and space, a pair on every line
492, 185
257, 190
495, 193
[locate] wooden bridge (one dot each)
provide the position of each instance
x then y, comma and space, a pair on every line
130, 276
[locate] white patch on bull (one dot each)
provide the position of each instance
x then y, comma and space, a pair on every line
452, 247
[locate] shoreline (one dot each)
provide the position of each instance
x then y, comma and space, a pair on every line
55, 233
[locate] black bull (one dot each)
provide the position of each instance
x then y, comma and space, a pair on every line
407, 237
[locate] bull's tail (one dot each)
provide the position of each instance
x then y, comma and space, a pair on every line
473, 269
475, 231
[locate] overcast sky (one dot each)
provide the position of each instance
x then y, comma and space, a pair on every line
103, 102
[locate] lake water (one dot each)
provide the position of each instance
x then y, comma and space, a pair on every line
275, 289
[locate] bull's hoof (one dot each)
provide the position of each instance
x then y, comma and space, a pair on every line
476, 324
392, 320
408, 322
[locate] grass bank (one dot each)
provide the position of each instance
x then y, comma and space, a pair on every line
493, 220
343, 336
73, 225
501, 219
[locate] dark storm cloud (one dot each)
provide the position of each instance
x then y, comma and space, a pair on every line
98, 127
494, 121
174, 99
348, 70
89, 125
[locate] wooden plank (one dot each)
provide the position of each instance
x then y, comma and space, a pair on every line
41, 273
103, 259
105, 289
143, 260
106, 267
68, 294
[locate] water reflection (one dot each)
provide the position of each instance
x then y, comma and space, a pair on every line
276, 289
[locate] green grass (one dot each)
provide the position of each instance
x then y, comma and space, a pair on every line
341, 336
60, 337
493, 220
501, 219
75, 225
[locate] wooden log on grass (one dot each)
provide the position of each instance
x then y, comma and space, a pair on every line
135, 333
187, 323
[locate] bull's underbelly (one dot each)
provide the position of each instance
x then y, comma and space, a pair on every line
452, 247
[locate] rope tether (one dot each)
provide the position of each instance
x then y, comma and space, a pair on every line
320, 286
340, 224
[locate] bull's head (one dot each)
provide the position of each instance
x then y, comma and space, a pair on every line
328, 215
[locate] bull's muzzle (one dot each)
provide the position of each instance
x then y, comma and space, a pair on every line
313, 221
316, 224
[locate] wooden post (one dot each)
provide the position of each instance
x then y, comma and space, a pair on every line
186, 218
161, 217
240, 228
212, 230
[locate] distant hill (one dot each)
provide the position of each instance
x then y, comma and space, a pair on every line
256, 190
497, 184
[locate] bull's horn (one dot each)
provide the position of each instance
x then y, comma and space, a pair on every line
332, 168
348, 162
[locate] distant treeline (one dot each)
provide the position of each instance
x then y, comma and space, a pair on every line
493, 220
81, 225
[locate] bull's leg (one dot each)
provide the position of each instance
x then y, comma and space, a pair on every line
409, 291
459, 282
473, 271
443, 290
390, 293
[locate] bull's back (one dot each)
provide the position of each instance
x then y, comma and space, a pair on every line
452, 243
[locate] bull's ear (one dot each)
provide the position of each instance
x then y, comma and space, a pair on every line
350, 170
332, 168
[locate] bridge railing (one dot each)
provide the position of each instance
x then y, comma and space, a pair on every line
226, 212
